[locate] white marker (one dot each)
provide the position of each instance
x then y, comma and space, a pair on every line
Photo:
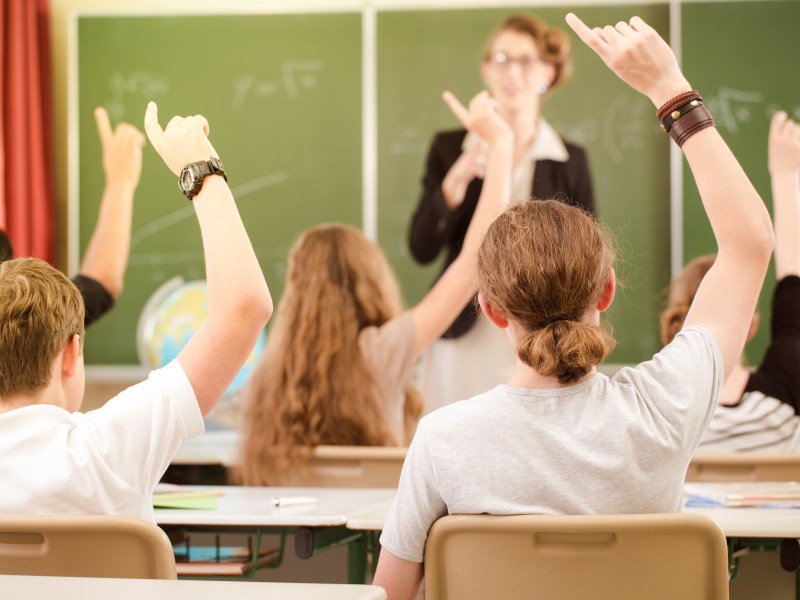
293, 501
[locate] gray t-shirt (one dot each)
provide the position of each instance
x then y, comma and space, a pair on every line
602, 446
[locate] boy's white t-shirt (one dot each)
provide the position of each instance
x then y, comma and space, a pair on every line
106, 461
603, 446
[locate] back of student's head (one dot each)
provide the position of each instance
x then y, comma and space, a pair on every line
682, 291
543, 264
313, 386
40, 310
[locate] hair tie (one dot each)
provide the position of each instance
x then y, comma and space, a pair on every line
553, 319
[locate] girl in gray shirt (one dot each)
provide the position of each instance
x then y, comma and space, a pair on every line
560, 437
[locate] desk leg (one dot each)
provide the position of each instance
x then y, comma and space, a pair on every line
357, 561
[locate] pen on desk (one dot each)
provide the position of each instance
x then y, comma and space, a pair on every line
293, 501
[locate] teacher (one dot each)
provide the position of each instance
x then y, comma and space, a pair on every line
524, 60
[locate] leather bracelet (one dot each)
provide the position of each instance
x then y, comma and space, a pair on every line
694, 121
672, 117
677, 101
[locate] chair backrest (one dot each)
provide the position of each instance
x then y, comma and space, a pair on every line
563, 557
714, 467
350, 466
84, 546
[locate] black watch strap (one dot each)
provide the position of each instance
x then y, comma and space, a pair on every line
190, 181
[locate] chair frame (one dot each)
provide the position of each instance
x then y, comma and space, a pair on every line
718, 467
350, 466
84, 546
561, 557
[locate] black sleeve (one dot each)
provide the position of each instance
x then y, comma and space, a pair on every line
583, 192
6, 250
778, 375
432, 219
97, 300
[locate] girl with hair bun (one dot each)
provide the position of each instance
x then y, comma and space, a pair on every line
560, 437
759, 411
524, 60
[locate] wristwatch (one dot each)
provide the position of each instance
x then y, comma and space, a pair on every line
190, 181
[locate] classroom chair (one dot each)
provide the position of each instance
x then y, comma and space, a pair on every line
564, 557
716, 467
351, 466
84, 546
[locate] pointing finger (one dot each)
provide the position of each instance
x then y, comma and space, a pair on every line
151, 126
588, 36
455, 105
103, 124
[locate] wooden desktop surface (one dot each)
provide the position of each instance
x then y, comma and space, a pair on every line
21, 587
252, 506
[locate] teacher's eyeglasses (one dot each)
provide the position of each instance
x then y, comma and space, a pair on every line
503, 61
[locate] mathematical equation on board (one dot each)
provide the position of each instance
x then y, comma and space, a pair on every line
294, 78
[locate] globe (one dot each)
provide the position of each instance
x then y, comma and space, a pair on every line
170, 318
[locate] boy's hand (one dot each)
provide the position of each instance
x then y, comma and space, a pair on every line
638, 55
481, 117
185, 140
784, 145
122, 150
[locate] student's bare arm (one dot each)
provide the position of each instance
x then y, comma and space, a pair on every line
398, 577
433, 315
239, 303
106, 256
727, 297
784, 171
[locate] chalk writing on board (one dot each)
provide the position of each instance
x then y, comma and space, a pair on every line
296, 77
624, 126
140, 84
406, 140
622, 129
734, 108
187, 212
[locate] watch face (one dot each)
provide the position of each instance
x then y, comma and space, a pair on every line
187, 179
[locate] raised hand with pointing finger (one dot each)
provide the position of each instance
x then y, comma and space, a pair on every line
183, 141
481, 117
102, 271
216, 352
636, 54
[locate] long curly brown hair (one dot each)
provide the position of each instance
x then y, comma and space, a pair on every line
312, 385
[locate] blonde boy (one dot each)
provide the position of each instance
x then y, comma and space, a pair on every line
54, 460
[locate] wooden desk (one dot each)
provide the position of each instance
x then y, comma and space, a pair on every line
210, 448
316, 527
20, 587
242, 506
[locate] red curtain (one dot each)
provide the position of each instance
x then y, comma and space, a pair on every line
26, 128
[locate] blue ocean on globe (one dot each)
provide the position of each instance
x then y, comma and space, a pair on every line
171, 317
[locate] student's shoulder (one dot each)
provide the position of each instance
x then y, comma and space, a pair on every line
462, 415
691, 354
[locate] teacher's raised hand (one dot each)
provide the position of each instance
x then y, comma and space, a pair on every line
481, 117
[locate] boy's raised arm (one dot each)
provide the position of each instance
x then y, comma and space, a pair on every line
239, 303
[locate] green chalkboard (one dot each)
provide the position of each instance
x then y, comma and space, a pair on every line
421, 53
742, 57
283, 95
